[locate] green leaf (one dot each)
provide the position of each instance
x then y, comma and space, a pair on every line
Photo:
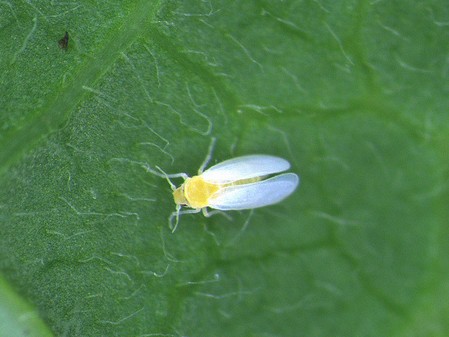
353, 94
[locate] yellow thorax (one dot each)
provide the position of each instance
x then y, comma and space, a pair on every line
195, 192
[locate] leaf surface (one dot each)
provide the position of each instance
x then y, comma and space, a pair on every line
353, 94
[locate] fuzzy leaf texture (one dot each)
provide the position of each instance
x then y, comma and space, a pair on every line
354, 94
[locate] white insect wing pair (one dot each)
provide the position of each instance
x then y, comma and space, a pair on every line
235, 184
236, 194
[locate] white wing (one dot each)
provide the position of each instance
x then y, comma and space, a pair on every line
244, 167
254, 195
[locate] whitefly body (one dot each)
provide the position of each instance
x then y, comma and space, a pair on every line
241, 183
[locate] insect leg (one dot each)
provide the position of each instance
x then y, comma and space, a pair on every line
208, 214
168, 176
175, 215
209, 155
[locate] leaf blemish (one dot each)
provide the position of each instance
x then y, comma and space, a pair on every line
64, 42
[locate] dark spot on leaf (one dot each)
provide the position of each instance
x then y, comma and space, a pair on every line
64, 42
